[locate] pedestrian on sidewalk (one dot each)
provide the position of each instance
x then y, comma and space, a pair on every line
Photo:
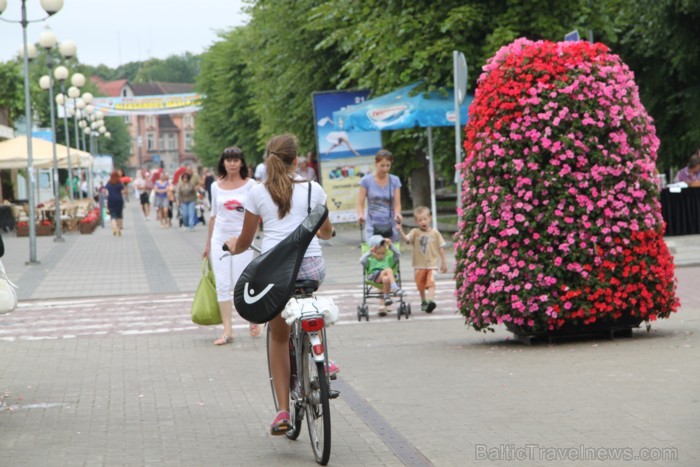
282, 202
161, 202
186, 197
228, 195
115, 202
143, 188
428, 249
382, 193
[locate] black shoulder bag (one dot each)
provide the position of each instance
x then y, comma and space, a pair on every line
267, 283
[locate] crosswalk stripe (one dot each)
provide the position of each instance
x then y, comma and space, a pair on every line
75, 318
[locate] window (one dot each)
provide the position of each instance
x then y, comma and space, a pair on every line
161, 142
172, 142
150, 141
188, 141
127, 120
188, 120
150, 120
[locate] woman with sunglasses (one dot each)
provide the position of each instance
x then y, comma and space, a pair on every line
228, 194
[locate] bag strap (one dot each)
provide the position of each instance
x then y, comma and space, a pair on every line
391, 201
308, 209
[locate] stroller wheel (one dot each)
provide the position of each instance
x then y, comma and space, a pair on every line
408, 310
359, 312
365, 311
401, 311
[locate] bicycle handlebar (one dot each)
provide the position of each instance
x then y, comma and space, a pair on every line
253, 247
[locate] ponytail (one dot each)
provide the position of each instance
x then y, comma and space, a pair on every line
281, 152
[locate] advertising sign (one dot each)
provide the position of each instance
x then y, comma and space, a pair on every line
344, 156
146, 105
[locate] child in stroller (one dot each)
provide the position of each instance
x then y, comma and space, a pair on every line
380, 262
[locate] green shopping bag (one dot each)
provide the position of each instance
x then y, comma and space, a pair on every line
205, 307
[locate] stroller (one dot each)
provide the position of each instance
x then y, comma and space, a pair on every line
200, 210
372, 289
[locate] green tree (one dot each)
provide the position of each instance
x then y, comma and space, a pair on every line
174, 69
119, 143
12, 90
391, 44
227, 117
660, 41
287, 67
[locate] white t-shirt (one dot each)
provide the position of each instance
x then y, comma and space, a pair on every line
275, 230
261, 172
228, 208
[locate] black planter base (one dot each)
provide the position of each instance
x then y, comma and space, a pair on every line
609, 329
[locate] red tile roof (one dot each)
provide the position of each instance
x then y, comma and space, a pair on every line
109, 88
158, 88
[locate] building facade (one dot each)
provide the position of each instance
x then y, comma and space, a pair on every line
156, 140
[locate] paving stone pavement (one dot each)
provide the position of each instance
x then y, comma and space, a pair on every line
457, 397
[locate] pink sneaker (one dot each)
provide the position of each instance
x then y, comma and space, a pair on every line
281, 423
333, 369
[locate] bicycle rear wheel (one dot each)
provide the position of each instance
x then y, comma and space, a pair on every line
318, 414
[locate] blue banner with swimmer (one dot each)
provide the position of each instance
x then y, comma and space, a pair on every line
344, 156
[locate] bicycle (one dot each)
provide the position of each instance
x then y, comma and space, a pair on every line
309, 383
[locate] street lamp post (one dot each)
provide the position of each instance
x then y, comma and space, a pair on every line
77, 81
89, 111
47, 40
61, 74
51, 7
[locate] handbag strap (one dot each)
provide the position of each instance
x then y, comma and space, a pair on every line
308, 209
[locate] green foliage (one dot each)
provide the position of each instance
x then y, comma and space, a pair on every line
182, 68
12, 89
174, 69
660, 41
119, 144
227, 117
287, 67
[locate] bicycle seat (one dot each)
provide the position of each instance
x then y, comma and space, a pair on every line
306, 286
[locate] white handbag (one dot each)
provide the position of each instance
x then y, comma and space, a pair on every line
8, 294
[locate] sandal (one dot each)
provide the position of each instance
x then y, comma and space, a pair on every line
281, 424
223, 340
382, 311
255, 330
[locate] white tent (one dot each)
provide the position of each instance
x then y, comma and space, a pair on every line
13, 154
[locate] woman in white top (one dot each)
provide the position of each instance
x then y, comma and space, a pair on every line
228, 195
282, 204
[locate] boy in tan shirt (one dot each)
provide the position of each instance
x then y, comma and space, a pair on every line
427, 250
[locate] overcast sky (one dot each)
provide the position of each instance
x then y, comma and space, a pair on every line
115, 32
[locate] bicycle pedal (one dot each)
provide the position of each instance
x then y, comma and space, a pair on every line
333, 394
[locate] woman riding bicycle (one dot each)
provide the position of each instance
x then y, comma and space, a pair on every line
282, 204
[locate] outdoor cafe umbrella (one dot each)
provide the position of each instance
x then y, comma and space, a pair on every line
404, 109
13, 154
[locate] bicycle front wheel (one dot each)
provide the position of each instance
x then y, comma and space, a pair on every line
318, 414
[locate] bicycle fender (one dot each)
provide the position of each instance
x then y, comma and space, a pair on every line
315, 339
